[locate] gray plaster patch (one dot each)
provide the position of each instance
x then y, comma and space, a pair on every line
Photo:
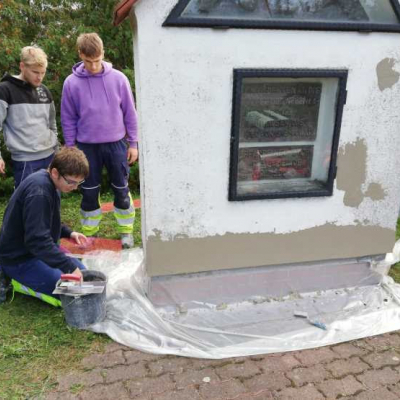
375, 192
352, 161
387, 76
326, 242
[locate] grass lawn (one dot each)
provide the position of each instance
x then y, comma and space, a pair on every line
35, 342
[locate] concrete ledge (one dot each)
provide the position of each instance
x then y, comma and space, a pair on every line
234, 285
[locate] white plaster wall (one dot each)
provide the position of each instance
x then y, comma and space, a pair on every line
184, 95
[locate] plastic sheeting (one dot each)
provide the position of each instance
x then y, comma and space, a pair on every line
252, 326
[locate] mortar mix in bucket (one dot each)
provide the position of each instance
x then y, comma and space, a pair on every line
83, 301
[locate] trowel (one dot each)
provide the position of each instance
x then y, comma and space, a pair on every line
72, 285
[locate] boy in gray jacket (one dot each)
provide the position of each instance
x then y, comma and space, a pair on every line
27, 116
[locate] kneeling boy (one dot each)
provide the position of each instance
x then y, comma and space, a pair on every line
32, 226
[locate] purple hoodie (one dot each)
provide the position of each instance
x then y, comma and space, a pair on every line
98, 108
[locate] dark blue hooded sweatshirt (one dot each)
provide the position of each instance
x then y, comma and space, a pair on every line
32, 225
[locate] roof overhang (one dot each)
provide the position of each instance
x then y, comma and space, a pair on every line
122, 10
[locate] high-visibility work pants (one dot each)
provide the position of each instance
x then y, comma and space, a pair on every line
20, 288
112, 156
35, 278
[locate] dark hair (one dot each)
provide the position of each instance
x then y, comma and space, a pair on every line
70, 161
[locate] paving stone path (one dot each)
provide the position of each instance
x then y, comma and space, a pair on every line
367, 369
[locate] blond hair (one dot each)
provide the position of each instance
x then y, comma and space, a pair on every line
90, 44
33, 55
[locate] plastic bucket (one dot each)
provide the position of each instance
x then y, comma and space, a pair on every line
83, 310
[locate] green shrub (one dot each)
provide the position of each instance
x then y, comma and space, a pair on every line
54, 25
7, 181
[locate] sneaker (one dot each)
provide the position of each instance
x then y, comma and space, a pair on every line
127, 240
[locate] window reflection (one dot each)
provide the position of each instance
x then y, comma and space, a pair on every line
286, 12
285, 131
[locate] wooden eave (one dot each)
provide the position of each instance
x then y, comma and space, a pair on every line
122, 10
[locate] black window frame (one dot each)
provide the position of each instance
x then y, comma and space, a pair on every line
175, 19
238, 76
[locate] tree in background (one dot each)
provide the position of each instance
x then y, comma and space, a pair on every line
54, 25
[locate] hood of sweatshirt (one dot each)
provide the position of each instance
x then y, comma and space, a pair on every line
15, 81
80, 72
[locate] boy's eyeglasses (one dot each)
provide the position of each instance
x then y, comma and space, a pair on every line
72, 183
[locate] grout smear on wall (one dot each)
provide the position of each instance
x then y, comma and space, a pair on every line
375, 192
352, 161
387, 76
352, 175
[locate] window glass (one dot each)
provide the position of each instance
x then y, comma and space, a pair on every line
286, 12
283, 133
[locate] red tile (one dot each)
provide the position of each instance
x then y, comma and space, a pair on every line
70, 246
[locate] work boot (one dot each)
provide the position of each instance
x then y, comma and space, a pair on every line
127, 240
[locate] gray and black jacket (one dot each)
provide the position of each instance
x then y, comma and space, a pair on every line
28, 119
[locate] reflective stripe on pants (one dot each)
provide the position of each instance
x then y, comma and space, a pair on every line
125, 218
90, 221
18, 287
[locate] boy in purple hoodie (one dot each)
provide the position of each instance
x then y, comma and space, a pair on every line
98, 116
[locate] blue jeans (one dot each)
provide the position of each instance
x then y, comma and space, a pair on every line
22, 169
37, 275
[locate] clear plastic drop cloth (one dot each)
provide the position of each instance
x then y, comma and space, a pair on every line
257, 325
